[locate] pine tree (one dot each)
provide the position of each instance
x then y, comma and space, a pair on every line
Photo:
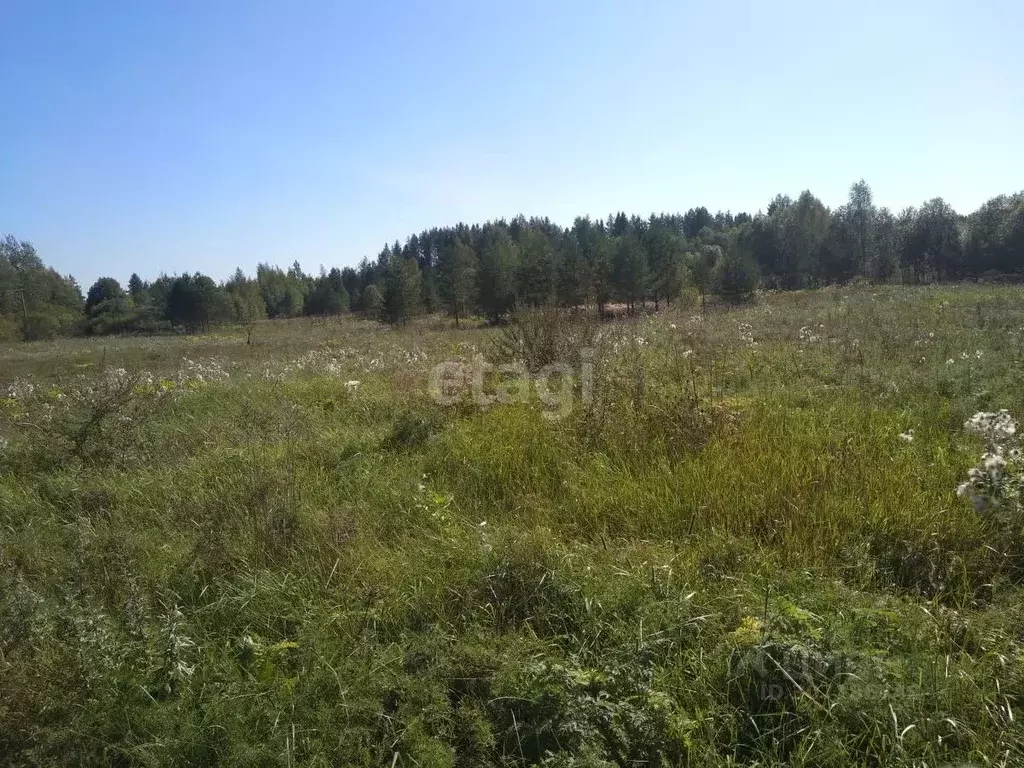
497, 279
573, 274
632, 276
701, 266
401, 295
535, 277
457, 275
735, 277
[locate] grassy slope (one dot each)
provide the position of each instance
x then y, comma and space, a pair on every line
273, 569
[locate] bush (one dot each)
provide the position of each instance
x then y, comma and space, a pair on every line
540, 337
46, 326
413, 428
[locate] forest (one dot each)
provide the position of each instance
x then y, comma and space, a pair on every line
490, 269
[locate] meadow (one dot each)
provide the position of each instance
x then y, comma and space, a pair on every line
736, 539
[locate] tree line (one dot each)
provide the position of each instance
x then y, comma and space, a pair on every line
618, 264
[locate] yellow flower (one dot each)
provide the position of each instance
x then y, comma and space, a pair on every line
749, 631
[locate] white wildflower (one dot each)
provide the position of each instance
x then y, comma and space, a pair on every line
997, 427
21, 389
908, 436
994, 463
807, 334
993, 483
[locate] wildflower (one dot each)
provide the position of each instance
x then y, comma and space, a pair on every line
749, 631
978, 353
992, 483
908, 436
807, 334
950, 361
997, 427
687, 353
672, 326
21, 390
351, 386
994, 463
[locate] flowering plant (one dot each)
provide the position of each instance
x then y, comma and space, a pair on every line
994, 486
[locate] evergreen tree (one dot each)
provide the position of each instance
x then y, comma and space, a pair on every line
196, 301
136, 288
497, 278
735, 276
573, 280
402, 291
457, 275
695, 220
632, 276
535, 276
701, 267
666, 264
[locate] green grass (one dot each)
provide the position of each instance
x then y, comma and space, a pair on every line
728, 557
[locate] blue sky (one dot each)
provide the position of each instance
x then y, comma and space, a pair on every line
173, 135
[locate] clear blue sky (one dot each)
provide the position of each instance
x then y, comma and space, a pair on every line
171, 135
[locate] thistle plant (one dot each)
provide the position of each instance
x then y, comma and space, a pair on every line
175, 652
994, 486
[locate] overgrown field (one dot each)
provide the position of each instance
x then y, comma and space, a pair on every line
740, 542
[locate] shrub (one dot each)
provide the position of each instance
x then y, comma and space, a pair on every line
413, 428
46, 326
540, 337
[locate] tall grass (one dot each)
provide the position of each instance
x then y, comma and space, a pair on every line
728, 555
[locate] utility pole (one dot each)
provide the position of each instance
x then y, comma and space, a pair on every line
24, 306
